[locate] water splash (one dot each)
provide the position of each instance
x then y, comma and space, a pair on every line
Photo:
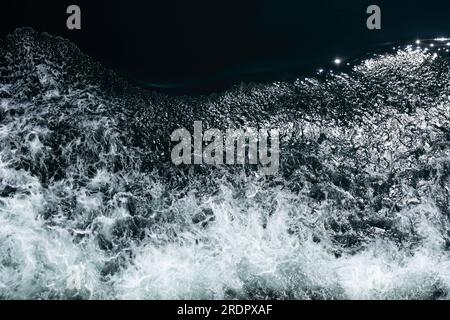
92, 207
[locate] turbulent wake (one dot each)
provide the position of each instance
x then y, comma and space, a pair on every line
91, 206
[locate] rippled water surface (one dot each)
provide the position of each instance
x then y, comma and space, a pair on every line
92, 207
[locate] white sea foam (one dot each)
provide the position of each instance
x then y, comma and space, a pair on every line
90, 208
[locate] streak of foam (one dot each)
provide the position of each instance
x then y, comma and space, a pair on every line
38, 261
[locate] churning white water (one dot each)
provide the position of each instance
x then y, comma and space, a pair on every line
92, 207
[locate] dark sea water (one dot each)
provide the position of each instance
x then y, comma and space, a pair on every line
92, 207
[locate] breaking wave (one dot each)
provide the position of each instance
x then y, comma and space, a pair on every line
91, 206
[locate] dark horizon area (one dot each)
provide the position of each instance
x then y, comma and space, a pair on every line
204, 44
